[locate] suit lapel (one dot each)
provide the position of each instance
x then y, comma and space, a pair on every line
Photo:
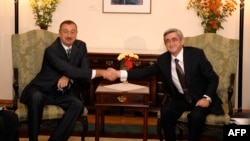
74, 52
187, 64
60, 48
167, 71
166, 64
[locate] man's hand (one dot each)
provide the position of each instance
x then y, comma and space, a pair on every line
62, 82
203, 102
111, 74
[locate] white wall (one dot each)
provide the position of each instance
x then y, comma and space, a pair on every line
140, 33
246, 62
6, 28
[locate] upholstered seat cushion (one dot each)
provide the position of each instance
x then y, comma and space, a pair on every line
49, 112
211, 119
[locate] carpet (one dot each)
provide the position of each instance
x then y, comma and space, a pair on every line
125, 131
124, 128
111, 130
45, 138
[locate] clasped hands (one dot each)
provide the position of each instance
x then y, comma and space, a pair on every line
203, 102
62, 83
111, 74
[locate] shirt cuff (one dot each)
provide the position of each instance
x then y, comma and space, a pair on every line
208, 98
93, 74
123, 75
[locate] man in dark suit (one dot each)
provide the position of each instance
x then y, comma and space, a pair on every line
201, 81
58, 82
8, 125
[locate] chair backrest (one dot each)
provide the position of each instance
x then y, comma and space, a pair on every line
27, 53
222, 53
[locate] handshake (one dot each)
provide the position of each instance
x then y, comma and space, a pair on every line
110, 74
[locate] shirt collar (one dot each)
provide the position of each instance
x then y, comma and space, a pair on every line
179, 56
65, 47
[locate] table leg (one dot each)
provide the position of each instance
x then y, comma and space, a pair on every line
102, 122
145, 124
97, 124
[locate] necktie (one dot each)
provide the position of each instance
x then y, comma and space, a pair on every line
68, 52
182, 80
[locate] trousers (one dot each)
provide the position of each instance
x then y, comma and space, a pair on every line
8, 126
173, 109
71, 104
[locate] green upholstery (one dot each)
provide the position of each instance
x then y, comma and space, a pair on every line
49, 112
223, 55
222, 52
27, 55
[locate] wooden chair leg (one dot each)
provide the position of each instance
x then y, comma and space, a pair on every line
84, 122
180, 134
159, 129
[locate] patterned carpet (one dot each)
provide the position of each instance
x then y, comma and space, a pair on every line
45, 138
129, 133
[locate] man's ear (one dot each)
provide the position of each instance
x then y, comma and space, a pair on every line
182, 41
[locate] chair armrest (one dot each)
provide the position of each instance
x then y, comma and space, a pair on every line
230, 93
16, 88
166, 97
83, 90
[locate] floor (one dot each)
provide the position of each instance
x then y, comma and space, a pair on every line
45, 138
128, 118
124, 119
118, 119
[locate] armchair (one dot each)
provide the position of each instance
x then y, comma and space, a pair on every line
27, 55
223, 55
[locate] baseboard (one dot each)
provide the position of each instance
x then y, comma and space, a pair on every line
242, 110
5, 102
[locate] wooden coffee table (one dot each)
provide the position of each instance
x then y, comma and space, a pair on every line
120, 95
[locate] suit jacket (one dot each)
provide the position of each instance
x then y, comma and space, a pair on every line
200, 76
56, 64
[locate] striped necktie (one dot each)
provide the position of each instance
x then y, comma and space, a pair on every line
182, 80
68, 52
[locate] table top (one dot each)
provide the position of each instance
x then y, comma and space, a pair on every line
240, 119
127, 88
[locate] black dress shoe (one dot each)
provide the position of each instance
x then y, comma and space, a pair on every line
51, 139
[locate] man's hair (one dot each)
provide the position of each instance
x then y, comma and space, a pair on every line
67, 22
171, 30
